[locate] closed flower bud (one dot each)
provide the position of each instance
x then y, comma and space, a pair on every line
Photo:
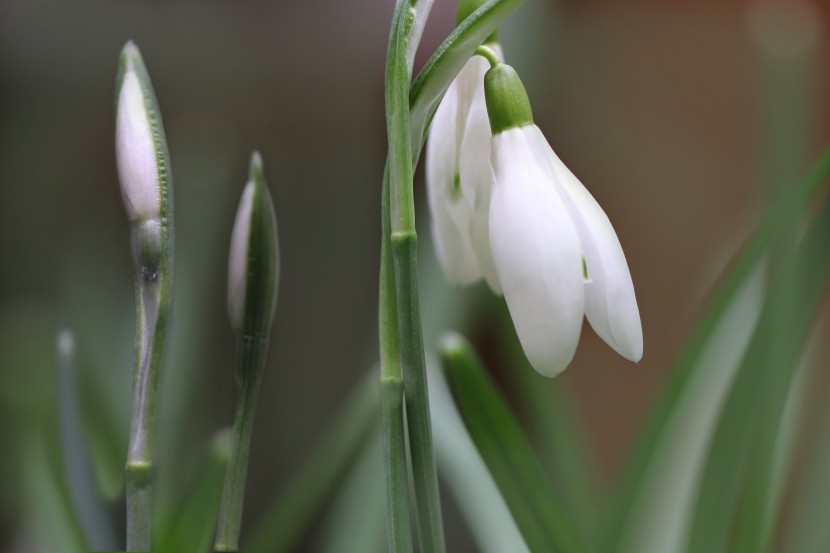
139, 139
253, 265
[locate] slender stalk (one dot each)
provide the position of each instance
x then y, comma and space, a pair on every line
401, 210
391, 394
153, 301
397, 481
251, 352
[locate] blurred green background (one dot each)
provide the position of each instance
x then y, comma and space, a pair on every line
681, 118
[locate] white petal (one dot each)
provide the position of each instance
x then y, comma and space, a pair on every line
238, 259
476, 178
610, 304
450, 213
135, 153
537, 253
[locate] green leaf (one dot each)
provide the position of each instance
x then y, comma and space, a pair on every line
294, 509
658, 433
808, 531
762, 383
537, 507
768, 468
553, 422
92, 513
192, 526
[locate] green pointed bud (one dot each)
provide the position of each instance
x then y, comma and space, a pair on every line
507, 104
465, 9
253, 266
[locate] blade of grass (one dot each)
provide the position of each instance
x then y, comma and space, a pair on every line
537, 507
790, 207
293, 510
764, 376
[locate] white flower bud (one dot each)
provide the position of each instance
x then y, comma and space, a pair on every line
137, 152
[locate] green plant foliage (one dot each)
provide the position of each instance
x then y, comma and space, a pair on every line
545, 520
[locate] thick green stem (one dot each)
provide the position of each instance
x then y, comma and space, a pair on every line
251, 352
393, 421
152, 308
397, 481
401, 211
425, 476
139, 486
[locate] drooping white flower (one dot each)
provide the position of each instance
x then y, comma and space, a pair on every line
555, 251
458, 183
253, 263
136, 148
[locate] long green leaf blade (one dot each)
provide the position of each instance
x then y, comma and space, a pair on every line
763, 380
562, 446
543, 518
784, 212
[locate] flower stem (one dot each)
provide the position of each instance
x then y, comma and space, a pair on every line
152, 293
488, 54
251, 352
391, 394
400, 234
397, 481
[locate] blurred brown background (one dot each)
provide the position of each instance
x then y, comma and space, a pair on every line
681, 118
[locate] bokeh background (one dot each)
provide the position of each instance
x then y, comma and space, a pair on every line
682, 118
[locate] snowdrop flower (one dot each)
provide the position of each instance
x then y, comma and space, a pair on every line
556, 254
253, 264
458, 183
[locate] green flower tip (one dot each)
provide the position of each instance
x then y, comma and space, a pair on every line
253, 265
508, 106
465, 9
256, 173
130, 57
452, 347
